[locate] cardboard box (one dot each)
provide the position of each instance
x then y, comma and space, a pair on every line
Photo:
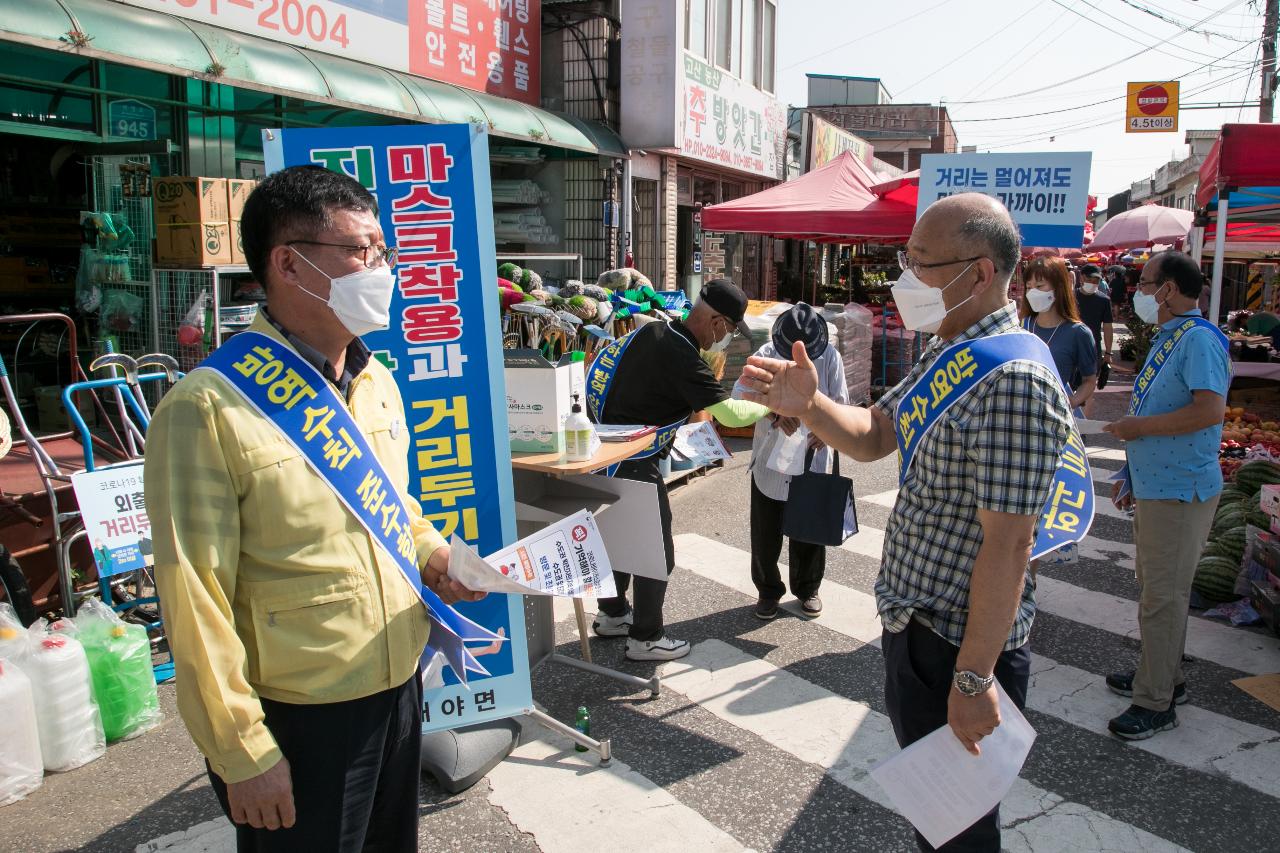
192, 223
539, 396
1270, 499
51, 415
237, 194
1266, 601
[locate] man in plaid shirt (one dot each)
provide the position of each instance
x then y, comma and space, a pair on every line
955, 593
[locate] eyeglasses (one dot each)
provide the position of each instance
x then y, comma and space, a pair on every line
733, 327
372, 255
910, 264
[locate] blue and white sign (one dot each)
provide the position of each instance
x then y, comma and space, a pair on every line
444, 348
1047, 194
130, 119
114, 510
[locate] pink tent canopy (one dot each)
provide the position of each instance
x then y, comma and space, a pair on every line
1143, 226
833, 204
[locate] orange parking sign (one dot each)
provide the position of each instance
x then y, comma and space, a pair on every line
1152, 108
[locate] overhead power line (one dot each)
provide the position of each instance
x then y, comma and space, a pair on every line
1147, 10
1102, 68
866, 36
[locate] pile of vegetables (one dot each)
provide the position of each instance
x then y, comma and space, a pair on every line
1238, 507
1246, 436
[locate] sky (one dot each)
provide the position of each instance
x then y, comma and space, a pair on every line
998, 54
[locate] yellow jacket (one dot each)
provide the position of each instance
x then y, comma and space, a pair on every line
270, 587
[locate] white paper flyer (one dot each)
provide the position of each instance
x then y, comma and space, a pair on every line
566, 559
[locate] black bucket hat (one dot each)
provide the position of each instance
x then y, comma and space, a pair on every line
801, 323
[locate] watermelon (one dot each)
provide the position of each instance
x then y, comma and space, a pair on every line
1229, 515
1258, 519
1231, 494
1252, 476
1233, 542
1216, 578
510, 271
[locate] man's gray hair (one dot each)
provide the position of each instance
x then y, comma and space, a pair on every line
998, 235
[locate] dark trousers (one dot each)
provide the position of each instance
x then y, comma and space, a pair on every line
918, 668
807, 562
650, 594
355, 768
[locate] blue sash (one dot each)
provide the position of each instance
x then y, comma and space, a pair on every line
962, 367
1146, 379
306, 409
600, 380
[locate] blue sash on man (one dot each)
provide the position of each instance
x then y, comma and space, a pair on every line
961, 368
307, 410
600, 379
1146, 379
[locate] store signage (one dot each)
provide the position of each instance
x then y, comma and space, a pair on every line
130, 119
433, 191
1047, 194
827, 142
731, 124
1152, 108
114, 510
488, 46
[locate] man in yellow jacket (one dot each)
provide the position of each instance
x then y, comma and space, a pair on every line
295, 635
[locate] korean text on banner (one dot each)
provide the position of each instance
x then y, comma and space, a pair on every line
435, 205
1047, 194
115, 517
567, 559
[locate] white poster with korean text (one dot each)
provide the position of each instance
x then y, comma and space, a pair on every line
114, 511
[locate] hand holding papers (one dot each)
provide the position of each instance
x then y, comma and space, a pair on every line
567, 559
1088, 427
943, 789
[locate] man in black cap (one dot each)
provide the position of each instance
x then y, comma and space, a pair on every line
770, 486
660, 378
1095, 312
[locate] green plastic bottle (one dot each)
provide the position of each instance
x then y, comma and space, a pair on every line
123, 681
583, 724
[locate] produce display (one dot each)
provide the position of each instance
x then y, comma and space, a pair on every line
1238, 508
1246, 436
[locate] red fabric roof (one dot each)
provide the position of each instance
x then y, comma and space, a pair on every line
1245, 155
833, 204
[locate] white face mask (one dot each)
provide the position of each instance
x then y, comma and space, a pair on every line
921, 306
360, 300
1039, 300
722, 344
1147, 307
1089, 288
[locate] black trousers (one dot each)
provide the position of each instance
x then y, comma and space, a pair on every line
807, 562
650, 594
355, 768
918, 668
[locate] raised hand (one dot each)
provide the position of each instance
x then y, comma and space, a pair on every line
786, 387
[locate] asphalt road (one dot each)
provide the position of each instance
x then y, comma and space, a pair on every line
762, 738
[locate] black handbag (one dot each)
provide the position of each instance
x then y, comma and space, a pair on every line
1104, 373
820, 508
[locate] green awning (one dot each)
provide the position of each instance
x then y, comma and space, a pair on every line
161, 42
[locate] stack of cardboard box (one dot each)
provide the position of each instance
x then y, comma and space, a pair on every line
198, 220
1263, 564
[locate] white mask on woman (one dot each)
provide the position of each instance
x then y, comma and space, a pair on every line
1040, 300
921, 306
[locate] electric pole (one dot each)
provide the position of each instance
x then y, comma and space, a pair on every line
1266, 106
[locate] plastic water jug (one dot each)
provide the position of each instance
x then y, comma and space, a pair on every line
21, 767
70, 725
123, 682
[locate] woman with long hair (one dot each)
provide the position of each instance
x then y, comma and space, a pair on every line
1048, 308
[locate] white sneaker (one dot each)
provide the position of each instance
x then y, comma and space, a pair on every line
612, 626
663, 648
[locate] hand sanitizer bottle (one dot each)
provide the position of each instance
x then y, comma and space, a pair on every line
579, 433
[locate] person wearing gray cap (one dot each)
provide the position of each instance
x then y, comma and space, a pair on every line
770, 488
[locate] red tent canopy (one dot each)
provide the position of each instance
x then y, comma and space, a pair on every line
1245, 155
833, 204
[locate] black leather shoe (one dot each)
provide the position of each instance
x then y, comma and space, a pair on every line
766, 609
811, 606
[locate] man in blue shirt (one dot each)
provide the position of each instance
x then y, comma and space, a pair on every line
1172, 448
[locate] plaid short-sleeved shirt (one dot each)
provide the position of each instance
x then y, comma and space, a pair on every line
995, 449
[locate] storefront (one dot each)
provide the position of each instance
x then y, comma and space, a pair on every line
703, 128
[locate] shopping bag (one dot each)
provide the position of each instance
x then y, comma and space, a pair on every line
820, 507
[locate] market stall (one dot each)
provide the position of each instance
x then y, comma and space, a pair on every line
1239, 182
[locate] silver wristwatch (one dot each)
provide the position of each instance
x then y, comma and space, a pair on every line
972, 684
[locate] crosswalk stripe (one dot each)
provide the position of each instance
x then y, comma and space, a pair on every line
1110, 454
563, 798
1208, 741
846, 738
212, 836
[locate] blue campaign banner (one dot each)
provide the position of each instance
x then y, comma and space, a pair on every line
1047, 194
444, 348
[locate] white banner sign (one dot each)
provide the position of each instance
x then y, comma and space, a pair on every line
114, 511
730, 123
